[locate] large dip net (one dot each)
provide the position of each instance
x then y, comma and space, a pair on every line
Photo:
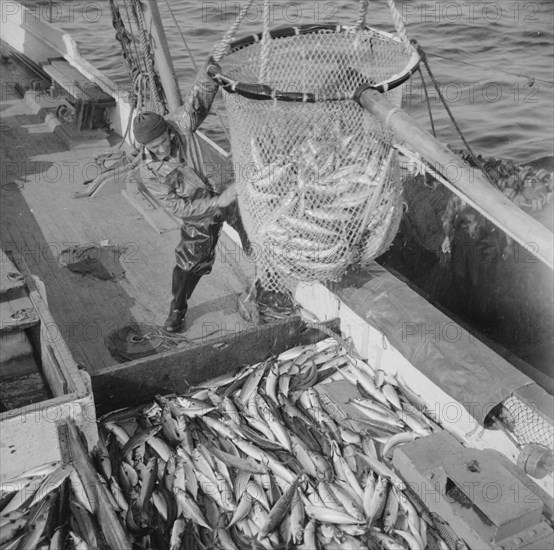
318, 182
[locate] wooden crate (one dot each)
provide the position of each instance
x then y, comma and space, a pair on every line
29, 434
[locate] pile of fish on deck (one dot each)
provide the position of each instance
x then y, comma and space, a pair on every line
264, 458
44, 508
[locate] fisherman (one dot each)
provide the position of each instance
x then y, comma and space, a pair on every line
172, 172
476, 247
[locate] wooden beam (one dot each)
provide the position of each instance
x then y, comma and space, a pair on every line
95, 490
17, 314
467, 182
136, 382
11, 280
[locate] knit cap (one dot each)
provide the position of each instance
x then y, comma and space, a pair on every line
147, 126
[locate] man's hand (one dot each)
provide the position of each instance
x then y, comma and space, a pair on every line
228, 196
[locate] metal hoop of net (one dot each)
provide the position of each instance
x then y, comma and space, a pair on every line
318, 181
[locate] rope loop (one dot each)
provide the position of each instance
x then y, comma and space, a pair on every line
266, 43
362, 15
399, 25
221, 48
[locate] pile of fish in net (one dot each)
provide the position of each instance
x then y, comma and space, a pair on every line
307, 209
260, 458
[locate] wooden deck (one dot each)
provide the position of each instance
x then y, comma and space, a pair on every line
40, 218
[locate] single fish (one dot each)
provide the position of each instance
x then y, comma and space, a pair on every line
251, 384
279, 509
394, 440
390, 514
382, 470
379, 499
177, 532
327, 515
349, 504
255, 490
190, 509
139, 439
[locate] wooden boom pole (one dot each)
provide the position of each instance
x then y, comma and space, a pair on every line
164, 63
461, 178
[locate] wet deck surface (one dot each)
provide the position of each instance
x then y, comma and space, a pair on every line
40, 218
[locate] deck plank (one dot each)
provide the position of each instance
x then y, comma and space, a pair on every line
10, 286
63, 302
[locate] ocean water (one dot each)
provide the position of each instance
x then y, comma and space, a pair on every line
493, 61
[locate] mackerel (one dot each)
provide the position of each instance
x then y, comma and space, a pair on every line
348, 474
279, 509
246, 465
292, 410
220, 381
160, 447
379, 499
297, 518
369, 386
369, 490
119, 433
390, 513
240, 482
190, 509
350, 492
139, 439
51, 482
257, 493
350, 505
397, 439
413, 543
303, 455
380, 469
220, 427
327, 515
251, 384
269, 415
390, 394
328, 497
177, 532
271, 383
284, 384
225, 539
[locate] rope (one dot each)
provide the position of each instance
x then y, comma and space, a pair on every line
427, 101
121, 36
129, 10
362, 14
221, 48
448, 110
154, 94
399, 25
528, 77
266, 41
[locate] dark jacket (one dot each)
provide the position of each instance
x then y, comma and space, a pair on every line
181, 188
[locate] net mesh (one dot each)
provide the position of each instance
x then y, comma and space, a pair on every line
526, 424
318, 183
